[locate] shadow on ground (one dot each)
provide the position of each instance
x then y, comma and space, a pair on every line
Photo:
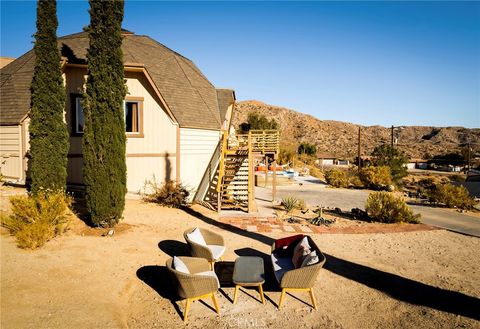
405, 289
158, 279
174, 248
397, 287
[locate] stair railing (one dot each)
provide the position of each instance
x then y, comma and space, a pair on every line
221, 167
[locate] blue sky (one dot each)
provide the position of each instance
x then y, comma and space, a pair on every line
400, 63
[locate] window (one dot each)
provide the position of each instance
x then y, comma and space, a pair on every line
78, 120
134, 116
133, 107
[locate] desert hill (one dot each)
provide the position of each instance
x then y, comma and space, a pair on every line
340, 138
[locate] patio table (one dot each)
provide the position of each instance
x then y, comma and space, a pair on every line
249, 272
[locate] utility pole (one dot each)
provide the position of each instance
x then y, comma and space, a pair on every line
469, 158
392, 137
359, 146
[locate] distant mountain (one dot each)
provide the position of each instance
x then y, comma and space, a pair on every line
341, 138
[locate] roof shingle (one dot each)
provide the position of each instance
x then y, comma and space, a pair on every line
190, 96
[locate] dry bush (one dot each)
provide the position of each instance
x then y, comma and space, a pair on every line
169, 194
37, 218
337, 177
385, 207
452, 196
376, 177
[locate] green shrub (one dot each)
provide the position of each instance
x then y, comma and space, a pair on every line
37, 218
290, 203
452, 196
385, 207
337, 177
169, 194
376, 177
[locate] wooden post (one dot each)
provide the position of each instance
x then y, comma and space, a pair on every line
266, 170
250, 173
274, 181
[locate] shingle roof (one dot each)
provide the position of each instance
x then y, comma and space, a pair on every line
225, 97
190, 96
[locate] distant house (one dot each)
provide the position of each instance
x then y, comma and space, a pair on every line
325, 159
174, 115
417, 164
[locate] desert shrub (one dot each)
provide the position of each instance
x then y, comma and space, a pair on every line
37, 218
385, 207
337, 177
290, 203
315, 172
169, 194
354, 179
376, 177
452, 196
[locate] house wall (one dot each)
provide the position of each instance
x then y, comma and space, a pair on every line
196, 149
154, 154
325, 162
11, 153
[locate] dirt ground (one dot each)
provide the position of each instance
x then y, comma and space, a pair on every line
427, 279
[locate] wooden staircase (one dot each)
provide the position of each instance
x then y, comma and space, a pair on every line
235, 176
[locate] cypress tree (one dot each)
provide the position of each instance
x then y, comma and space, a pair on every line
48, 131
104, 138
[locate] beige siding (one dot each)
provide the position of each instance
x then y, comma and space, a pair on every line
146, 156
196, 149
143, 169
11, 153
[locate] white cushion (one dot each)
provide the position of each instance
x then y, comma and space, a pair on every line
217, 251
197, 237
310, 259
303, 243
179, 265
210, 273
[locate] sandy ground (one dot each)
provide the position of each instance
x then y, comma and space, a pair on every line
84, 280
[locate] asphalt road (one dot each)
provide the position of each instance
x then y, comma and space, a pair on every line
317, 194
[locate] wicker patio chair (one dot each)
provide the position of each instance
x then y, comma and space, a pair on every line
214, 249
297, 279
194, 286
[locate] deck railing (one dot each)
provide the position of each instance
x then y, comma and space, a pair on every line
264, 141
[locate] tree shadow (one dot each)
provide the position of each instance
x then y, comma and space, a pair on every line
158, 278
405, 289
251, 235
79, 207
174, 248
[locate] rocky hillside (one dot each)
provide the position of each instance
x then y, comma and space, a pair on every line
340, 138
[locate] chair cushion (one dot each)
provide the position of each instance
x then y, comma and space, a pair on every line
310, 259
281, 265
217, 251
300, 255
210, 273
197, 237
179, 265
285, 242
302, 244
